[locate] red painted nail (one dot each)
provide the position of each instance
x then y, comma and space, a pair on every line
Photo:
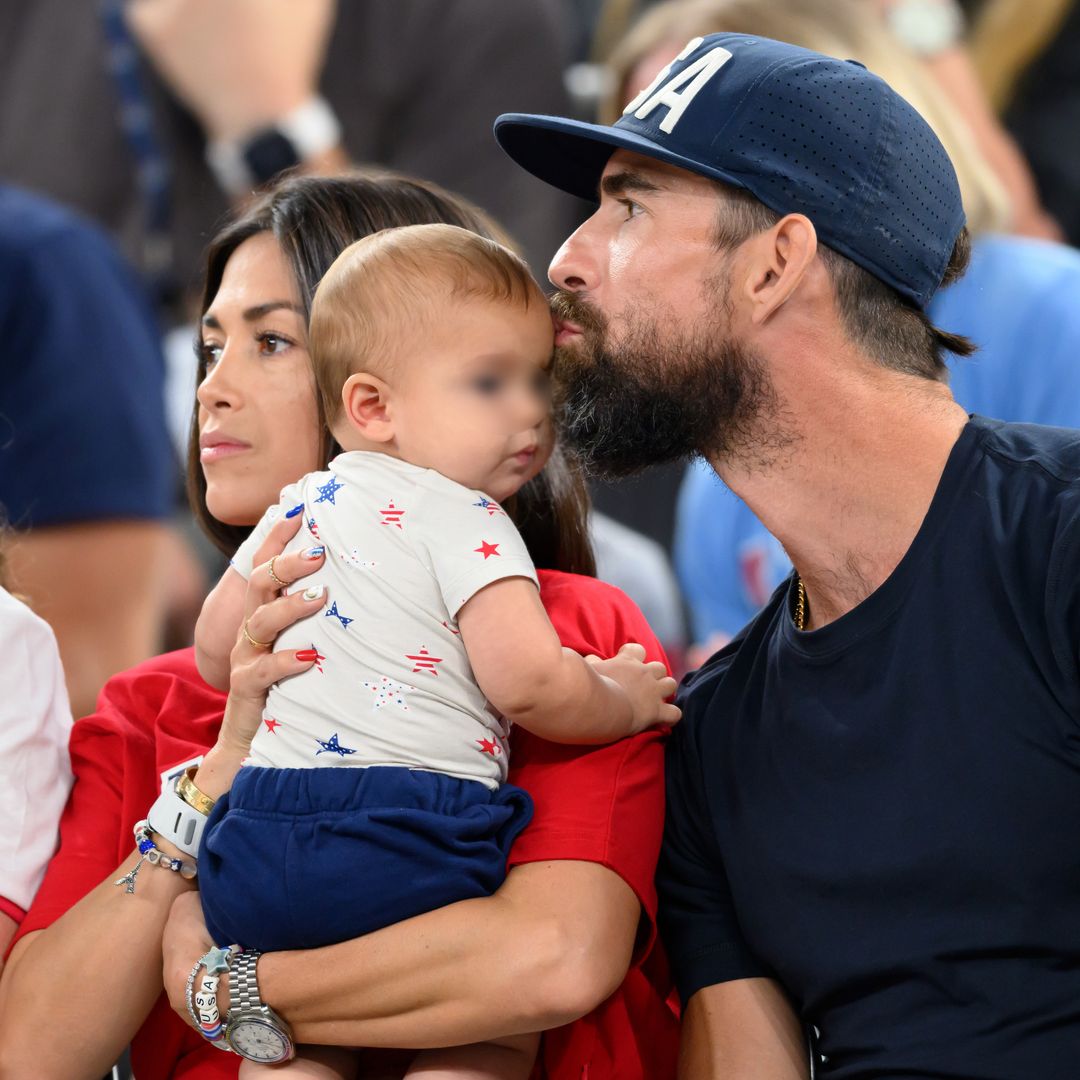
307, 654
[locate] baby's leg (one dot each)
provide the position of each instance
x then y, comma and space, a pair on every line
500, 1059
310, 1063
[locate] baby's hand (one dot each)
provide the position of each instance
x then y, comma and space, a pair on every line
645, 685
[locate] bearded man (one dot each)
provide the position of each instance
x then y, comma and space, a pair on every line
874, 793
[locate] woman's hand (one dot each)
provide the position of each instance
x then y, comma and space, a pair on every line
255, 667
185, 940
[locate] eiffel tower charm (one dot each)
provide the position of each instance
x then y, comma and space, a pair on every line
128, 880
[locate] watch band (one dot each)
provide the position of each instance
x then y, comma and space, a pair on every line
174, 820
247, 1010
242, 164
243, 985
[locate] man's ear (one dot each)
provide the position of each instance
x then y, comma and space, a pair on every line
780, 259
366, 402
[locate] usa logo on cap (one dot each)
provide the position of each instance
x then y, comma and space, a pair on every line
804, 133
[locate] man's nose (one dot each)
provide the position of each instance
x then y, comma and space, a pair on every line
574, 267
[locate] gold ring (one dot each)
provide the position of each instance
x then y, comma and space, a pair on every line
254, 641
270, 570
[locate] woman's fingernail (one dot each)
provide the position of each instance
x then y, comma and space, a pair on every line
315, 552
294, 511
313, 592
308, 654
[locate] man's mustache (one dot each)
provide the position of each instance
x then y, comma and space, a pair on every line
571, 308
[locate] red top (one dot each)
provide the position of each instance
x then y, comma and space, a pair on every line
603, 805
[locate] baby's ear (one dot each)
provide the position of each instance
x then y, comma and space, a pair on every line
366, 402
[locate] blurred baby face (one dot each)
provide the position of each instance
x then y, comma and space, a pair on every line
473, 401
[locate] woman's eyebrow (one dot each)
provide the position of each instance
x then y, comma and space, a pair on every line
259, 311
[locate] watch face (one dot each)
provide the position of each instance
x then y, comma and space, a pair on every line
257, 1040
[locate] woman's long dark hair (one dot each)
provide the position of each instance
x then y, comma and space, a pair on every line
314, 219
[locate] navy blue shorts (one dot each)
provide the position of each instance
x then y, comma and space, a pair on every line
298, 858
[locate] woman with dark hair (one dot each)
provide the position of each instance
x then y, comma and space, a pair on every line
551, 946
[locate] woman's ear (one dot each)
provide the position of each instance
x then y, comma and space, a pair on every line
780, 259
366, 403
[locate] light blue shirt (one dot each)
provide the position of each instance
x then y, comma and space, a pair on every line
1020, 302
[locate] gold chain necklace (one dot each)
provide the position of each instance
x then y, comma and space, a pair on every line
800, 604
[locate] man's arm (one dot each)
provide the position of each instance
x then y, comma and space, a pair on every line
240, 67
547, 948
742, 1030
102, 586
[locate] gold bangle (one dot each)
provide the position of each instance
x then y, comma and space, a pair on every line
186, 789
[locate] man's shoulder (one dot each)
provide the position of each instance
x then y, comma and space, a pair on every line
728, 669
1024, 448
35, 230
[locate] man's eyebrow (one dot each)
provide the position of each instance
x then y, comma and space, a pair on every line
615, 184
259, 311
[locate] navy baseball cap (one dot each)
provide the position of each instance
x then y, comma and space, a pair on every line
804, 133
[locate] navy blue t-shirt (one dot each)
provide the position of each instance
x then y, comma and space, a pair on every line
82, 414
884, 813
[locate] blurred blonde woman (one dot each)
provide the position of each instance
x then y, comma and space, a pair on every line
848, 29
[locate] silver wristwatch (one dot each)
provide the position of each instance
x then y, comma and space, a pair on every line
254, 1030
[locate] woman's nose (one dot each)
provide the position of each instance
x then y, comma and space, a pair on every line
219, 389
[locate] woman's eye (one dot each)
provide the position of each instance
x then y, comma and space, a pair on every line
208, 352
272, 344
487, 384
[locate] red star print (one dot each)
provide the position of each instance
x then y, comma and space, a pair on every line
271, 723
489, 746
424, 661
487, 550
392, 516
319, 658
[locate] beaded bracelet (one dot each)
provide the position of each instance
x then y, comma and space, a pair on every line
207, 1009
202, 1006
149, 852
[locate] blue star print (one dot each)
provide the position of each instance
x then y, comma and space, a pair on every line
333, 612
332, 746
328, 490
492, 508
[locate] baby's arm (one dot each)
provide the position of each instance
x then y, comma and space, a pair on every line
217, 627
527, 675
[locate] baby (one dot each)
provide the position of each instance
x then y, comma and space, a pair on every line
375, 789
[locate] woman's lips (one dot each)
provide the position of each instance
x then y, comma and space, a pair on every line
213, 450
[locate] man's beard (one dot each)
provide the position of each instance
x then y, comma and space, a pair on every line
652, 398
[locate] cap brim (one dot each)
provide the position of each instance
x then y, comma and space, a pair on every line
571, 155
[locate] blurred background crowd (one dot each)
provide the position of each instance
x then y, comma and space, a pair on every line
129, 128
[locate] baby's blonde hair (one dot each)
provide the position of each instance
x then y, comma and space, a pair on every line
383, 292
